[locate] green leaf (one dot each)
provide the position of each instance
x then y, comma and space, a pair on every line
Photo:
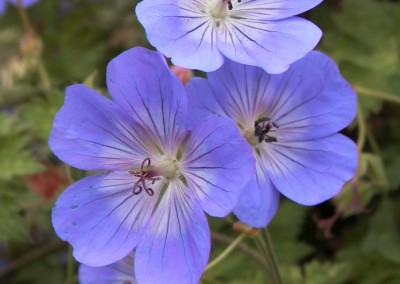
284, 229
16, 159
383, 235
38, 115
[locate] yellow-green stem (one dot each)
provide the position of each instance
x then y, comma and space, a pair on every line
265, 244
362, 132
70, 267
225, 253
376, 94
44, 76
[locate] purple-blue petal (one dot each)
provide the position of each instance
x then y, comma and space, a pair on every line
202, 101
24, 3
3, 6
273, 10
271, 45
259, 201
310, 172
217, 163
141, 83
176, 244
310, 100
179, 31
120, 272
101, 218
259, 33
90, 132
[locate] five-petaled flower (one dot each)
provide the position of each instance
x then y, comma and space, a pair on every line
201, 34
158, 176
290, 121
120, 272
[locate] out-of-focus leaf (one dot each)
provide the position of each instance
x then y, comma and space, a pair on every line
11, 226
383, 235
16, 159
369, 268
392, 159
38, 115
46, 270
357, 194
284, 230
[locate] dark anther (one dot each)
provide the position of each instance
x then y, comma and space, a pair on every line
230, 6
143, 176
262, 127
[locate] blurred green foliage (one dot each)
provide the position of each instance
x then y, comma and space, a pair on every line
354, 238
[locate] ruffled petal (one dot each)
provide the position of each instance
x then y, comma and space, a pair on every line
90, 132
271, 10
120, 272
311, 100
176, 245
101, 218
271, 45
310, 172
180, 31
259, 201
217, 163
141, 83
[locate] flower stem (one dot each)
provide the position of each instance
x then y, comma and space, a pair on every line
31, 256
242, 247
362, 129
264, 242
24, 18
70, 267
380, 95
44, 75
225, 253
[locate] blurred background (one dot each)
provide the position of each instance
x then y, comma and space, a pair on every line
354, 238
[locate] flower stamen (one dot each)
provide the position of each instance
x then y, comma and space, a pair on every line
230, 6
262, 127
143, 175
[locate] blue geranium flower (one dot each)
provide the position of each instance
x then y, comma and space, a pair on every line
24, 3
120, 272
200, 34
290, 121
157, 178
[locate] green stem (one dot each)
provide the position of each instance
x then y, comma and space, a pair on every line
69, 174
362, 129
44, 75
265, 244
70, 267
372, 142
225, 253
31, 256
242, 247
380, 95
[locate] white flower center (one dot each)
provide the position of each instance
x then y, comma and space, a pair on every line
168, 169
217, 9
